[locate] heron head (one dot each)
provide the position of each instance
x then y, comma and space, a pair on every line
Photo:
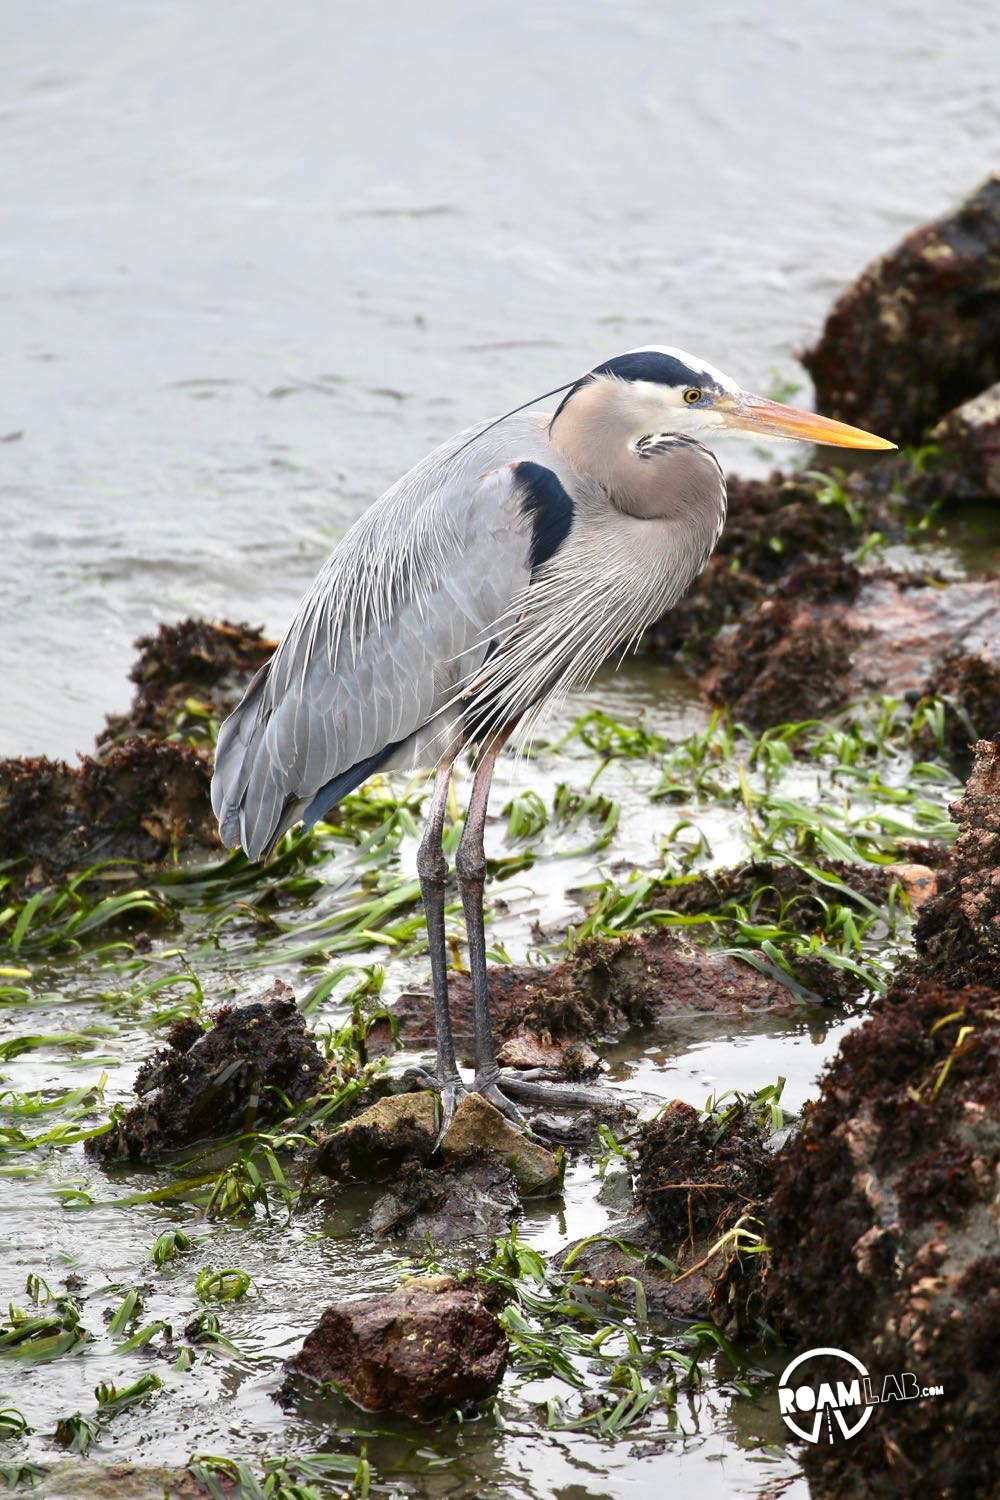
661, 390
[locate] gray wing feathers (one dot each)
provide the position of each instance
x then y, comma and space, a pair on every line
397, 619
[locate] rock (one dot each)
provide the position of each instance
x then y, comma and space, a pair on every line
475, 1199
142, 802
882, 1224
187, 672
968, 682
479, 1128
604, 990
919, 332
830, 634
207, 1085
422, 1351
72, 1479
777, 892
574, 1060
613, 1270
967, 464
958, 931
375, 1144
918, 882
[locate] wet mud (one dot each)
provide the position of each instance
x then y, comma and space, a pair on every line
919, 332
242, 1074
425, 1350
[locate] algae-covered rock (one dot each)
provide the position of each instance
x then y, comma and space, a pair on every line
207, 1085
919, 331
958, 931
422, 1351
479, 1128
967, 463
830, 634
141, 802
883, 1228
602, 991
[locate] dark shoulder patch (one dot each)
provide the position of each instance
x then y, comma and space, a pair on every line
549, 506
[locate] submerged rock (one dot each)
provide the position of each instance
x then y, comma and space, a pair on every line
630, 1252
208, 1085
186, 673
475, 1198
429, 1348
142, 802
919, 332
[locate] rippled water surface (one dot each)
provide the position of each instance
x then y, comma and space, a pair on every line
254, 261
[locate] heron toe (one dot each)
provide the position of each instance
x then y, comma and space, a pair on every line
490, 1091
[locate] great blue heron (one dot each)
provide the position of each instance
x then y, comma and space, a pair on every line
501, 570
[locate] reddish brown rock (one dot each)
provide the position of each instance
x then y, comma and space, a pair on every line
603, 990
830, 634
919, 332
883, 1235
958, 932
531, 1049
429, 1348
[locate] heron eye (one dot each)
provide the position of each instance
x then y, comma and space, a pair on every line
692, 394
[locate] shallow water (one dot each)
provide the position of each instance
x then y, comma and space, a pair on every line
716, 1440
253, 264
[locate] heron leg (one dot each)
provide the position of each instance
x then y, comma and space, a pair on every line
470, 867
432, 869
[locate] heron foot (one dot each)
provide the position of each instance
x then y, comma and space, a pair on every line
449, 1091
486, 1086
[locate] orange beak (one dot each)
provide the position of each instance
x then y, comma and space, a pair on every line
771, 418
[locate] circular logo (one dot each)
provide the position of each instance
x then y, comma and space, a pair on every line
814, 1406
